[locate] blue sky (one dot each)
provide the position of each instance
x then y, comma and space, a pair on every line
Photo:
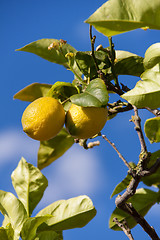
95, 172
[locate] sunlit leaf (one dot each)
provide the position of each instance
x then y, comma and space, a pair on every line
128, 64
152, 129
142, 201
95, 95
124, 184
67, 214
30, 227
152, 56
33, 91
55, 55
54, 148
118, 16
14, 209
29, 184
146, 93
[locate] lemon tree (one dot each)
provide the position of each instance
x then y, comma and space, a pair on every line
85, 105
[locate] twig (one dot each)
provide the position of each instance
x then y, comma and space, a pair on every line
151, 170
124, 228
137, 121
92, 39
119, 109
112, 59
119, 154
128, 208
156, 112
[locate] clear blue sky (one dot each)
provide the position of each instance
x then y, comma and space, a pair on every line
95, 172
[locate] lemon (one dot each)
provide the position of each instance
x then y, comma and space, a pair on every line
85, 122
43, 118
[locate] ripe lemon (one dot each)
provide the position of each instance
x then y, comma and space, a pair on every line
85, 122
43, 118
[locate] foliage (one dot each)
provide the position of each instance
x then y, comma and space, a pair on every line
30, 184
95, 78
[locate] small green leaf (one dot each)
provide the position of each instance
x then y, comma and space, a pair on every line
29, 184
116, 16
124, 184
67, 214
146, 93
54, 148
95, 95
30, 227
32, 92
152, 129
86, 63
55, 55
128, 64
152, 56
15, 211
49, 235
62, 90
142, 201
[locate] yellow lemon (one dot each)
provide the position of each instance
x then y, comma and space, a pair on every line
85, 122
43, 118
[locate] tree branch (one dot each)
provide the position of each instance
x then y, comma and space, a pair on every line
137, 121
128, 208
124, 228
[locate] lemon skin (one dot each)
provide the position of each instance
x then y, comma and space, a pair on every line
43, 118
85, 122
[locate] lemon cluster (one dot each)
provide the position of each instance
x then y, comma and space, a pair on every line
44, 118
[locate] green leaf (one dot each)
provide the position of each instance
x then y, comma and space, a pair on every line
54, 148
154, 179
142, 201
55, 55
128, 64
62, 90
152, 129
124, 184
152, 56
95, 95
116, 16
6, 233
33, 91
29, 184
67, 214
146, 93
86, 63
30, 227
15, 211
49, 235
